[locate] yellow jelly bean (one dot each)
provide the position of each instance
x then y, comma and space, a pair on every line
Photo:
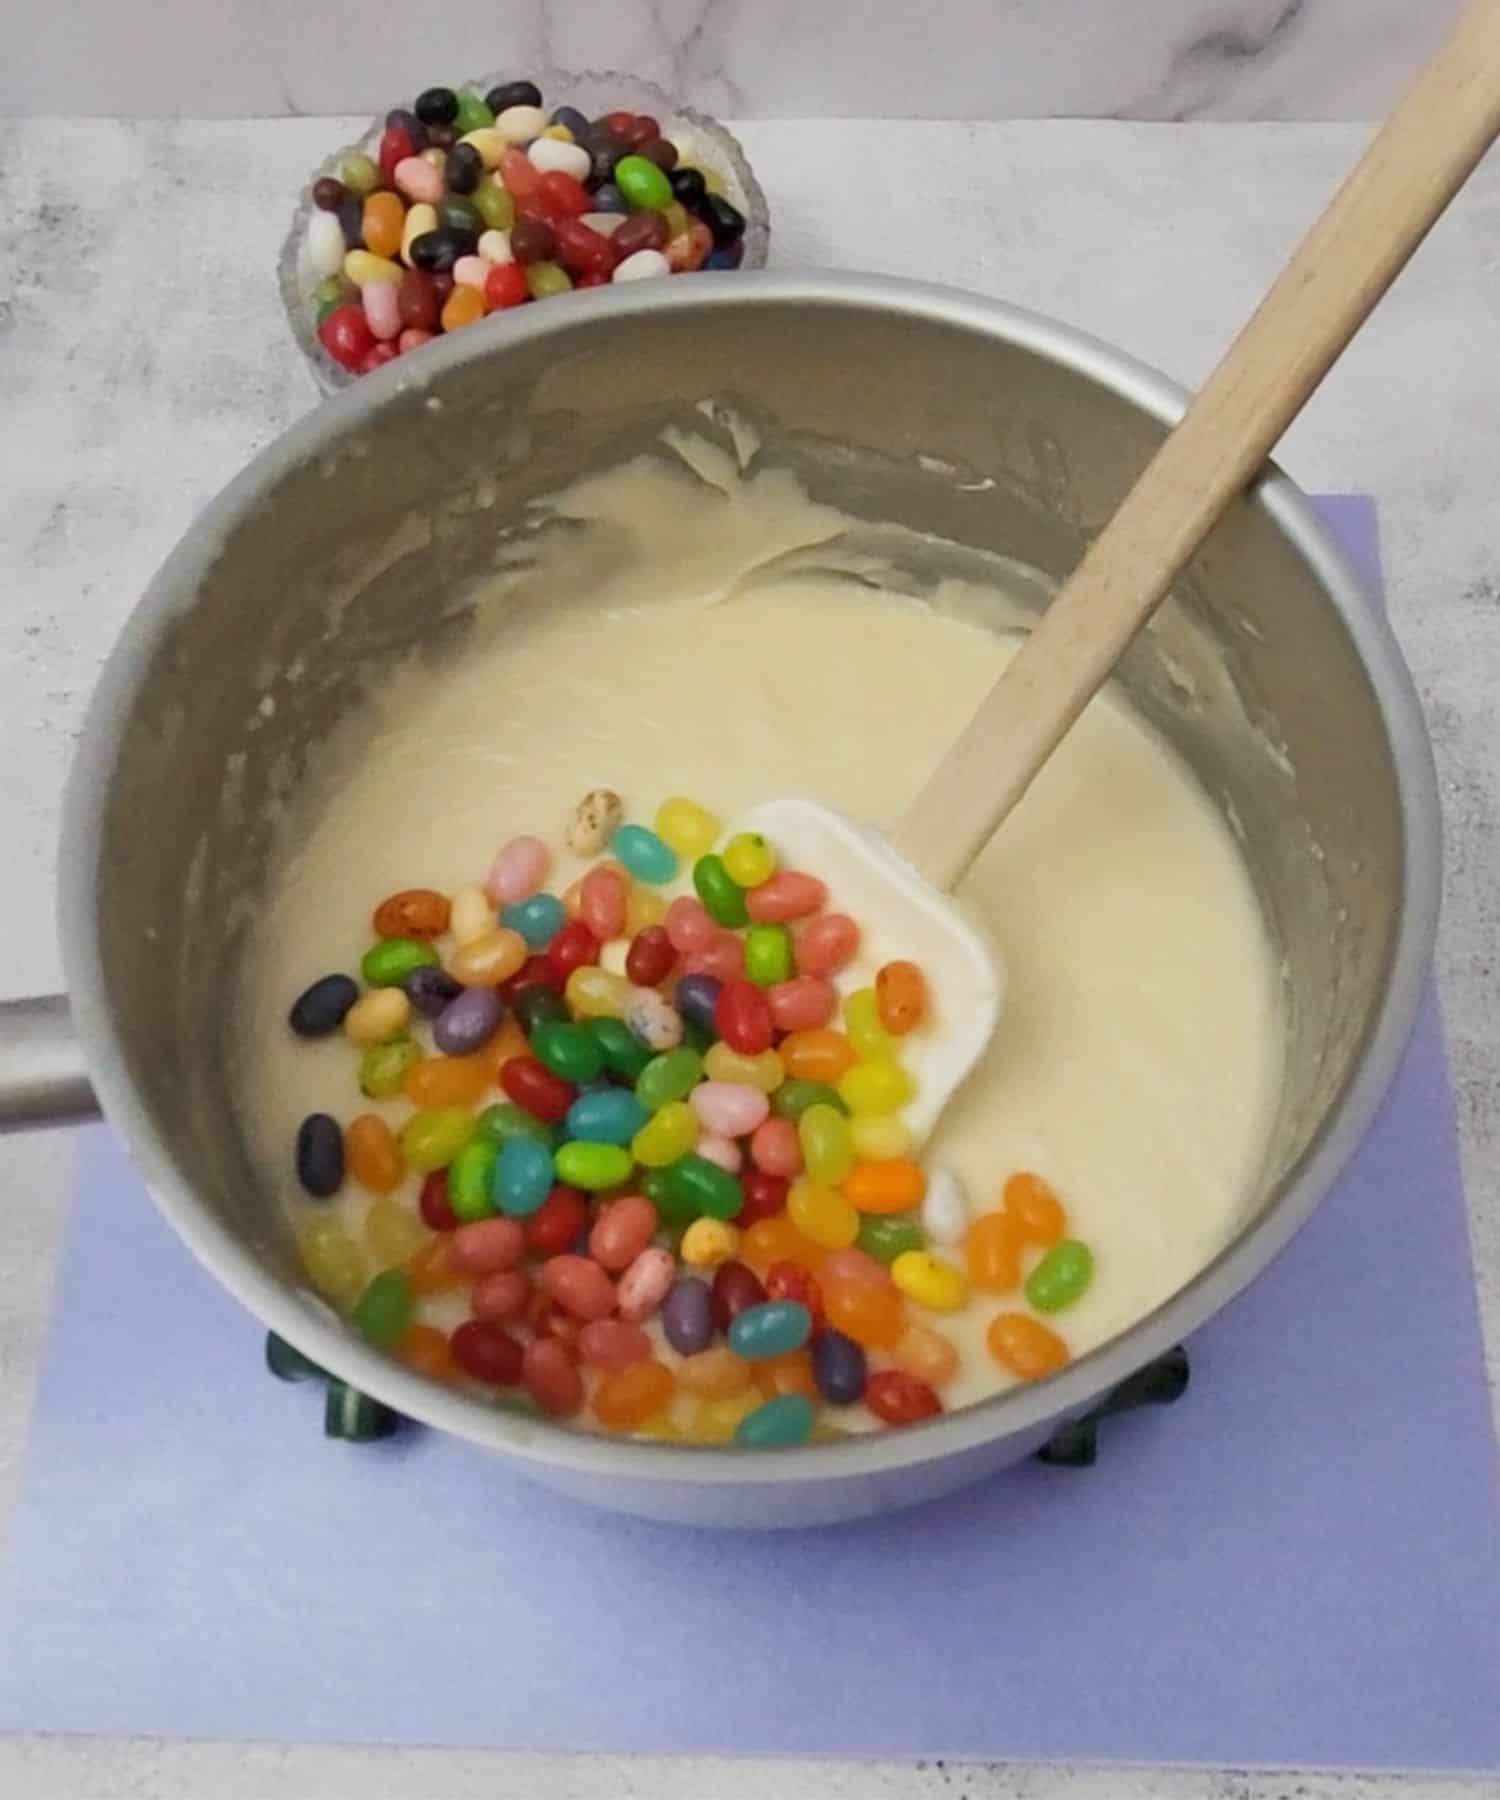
668, 1134
869, 1037
644, 907
393, 1231
716, 1421
332, 1261
822, 1214
827, 1148
488, 960
689, 828
708, 1242
876, 1087
749, 859
362, 267
431, 1139
490, 144
470, 914
930, 1281
594, 993
714, 1373
765, 1071
879, 1137
419, 220
377, 1017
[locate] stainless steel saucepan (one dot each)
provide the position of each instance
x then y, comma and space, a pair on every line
977, 423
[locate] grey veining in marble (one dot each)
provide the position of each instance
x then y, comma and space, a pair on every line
975, 59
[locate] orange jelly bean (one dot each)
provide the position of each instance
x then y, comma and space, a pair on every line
463, 306
715, 1373
777, 1239
992, 1251
628, 1398
885, 1187
789, 1374
414, 912
425, 1349
872, 1316
927, 1354
447, 1080
372, 1155
1025, 1346
900, 996
431, 1269
816, 1055
1036, 1209
381, 220
509, 1041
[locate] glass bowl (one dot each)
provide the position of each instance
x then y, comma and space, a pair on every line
704, 139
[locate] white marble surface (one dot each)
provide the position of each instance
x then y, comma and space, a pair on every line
142, 361
958, 59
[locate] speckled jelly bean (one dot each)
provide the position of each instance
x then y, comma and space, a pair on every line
606, 1116
320, 1155
538, 918
723, 898
687, 1316
320, 1009
431, 1139
593, 1167
467, 1022
518, 871
822, 1214
388, 963
826, 944
731, 1109
646, 1283
647, 856
383, 1311
793, 1098
578, 1285
686, 827
1061, 1277
669, 1133
594, 822
522, 1177
885, 1236
654, 1021
788, 1419
771, 1329
840, 1367
471, 1179
668, 1077
876, 1087
698, 1186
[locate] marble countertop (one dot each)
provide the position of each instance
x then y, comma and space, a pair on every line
143, 360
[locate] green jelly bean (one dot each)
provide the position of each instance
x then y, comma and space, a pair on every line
470, 1175
503, 1121
671, 1076
382, 1066
593, 1167
722, 896
544, 279
642, 183
360, 174
623, 1052
672, 1211
570, 1051
793, 1098
768, 954
885, 1236
472, 114
388, 963
701, 1186
494, 205
333, 290
355, 1417
1061, 1277
287, 1363
538, 1005
383, 1311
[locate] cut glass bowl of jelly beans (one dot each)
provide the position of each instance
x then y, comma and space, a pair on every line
627, 1151
474, 199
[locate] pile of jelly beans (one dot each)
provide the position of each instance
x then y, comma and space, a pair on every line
471, 204
663, 1179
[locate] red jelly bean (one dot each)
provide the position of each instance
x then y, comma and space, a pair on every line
376, 357
551, 1377
803, 1003
541, 1093
735, 1290
790, 1281
899, 1398
575, 945
581, 250
566, 198
742, 1017
645, 230
547, 1319
417, 301
618, 125
413, 338
437, 1214
825, 945
346, 335
395, 146
765, 1196
536, 971
501, 1296
641, 130
487, 1352
787, 895
557, 1223
504, 286
650, 957
595, 278
578, 1285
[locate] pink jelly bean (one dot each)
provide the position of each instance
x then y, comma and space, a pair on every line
803, 1002
519, 869
723, 957
500, 1296
646, 1283
470, 271
382, 314
689, 925
721, 1150
413, 338
622, 1231
578, 1285
731, 1109
602, 901
486, 1245
613, 1344
788, 895
853, 1265
418, 180
776, 1149
550, 1376
823, 946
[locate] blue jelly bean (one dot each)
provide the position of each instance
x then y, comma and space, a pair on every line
538, 919
608, 199
523, 1176
697, 1000
648, 857
788, 1419
839, 1367
687, 1316
775, 1328
729, 256
606, 1115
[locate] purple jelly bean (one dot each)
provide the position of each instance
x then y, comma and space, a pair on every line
469, 1021
431, 990
838, 1367
687, 1316
697, 997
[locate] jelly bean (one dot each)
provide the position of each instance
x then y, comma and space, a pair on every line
644, 907
791, 1281
471, 1179
412, 913
742, 1017
325, 243
681, 824
871, 1314
647, 856
885, 1187
764, 1072
768, 955
698, 999
578, 1285
468, 1022
876, 1087
544, 1095
447, 1080
803, 1003
670, 1133
749, 860
507, 94
424, 1349
772, 1328
689, 926
433, 1204
698, 1186
729, 1108
715, 1148
648, 231
945, 1211
827, 1152
471, 113
650, 957
470, 914
395, 147
787, 1419
621, 1232
487, 1245
489, 960
374, 359
628, 1397
417, 298
736, 1289
602, 901
319, 1010
412, 339
436, 106
433, 1138
793, 1098
816, 1055
775, 1148
899, 1398
320, 1155
595, 994
722, 958
613, 1344
885, 1236
531, 241
523, 1176
593, 1167
1026, 1347
574, 947
520, 123
383, 1311
499, 1124
501, 1297
688, 186
992, 1253
717, 1420
393, 1232
862, 1025
544, 279
536, 971
825, 944
606, 1116
594, 821
709, 1242
687, 1317
901, 996
930, 1281
822, 1214
361, 267
464, 167
839, 1366
1036, 1209
538, 919
558, 1222
1061, 1277
388, 963
788, 895
880, 1137
359, 174
623, 1054
345, 335
496, 207
418, 180
723, 899
464, 306
927, 1354
715, 1373
551, 1378
646, 1283
518, 871
487, 1352
568, 1050
765, 1196
776, 1239
642, 183
331, 1260
552, 156
671, 1076
372, 1155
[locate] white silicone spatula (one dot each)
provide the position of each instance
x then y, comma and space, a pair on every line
1417, 163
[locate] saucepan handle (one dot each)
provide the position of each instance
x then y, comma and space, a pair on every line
43, 1080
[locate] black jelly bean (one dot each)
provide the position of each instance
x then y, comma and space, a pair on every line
463, 169
574, 120
320, 1155
399, 119
513, 93
839, 1367
457, 214
697, 997
431, 990
319, 1010
661, 152
726, 222
437, 106
441, 137
351, 214
688, 188
437, 251
538, 1005
604, 152
328, 190
730, 257
355, 1417
287, 1363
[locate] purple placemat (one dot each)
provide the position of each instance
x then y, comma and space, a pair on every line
1297, 1564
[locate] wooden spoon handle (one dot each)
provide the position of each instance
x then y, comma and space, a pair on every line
1415, 166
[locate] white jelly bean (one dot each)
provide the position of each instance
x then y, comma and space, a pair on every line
470, 271
325, 243
470, 915
553, 153
382, 314
945, 1211
642, 266
418, 180
606, 224
494, 247
520, 124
